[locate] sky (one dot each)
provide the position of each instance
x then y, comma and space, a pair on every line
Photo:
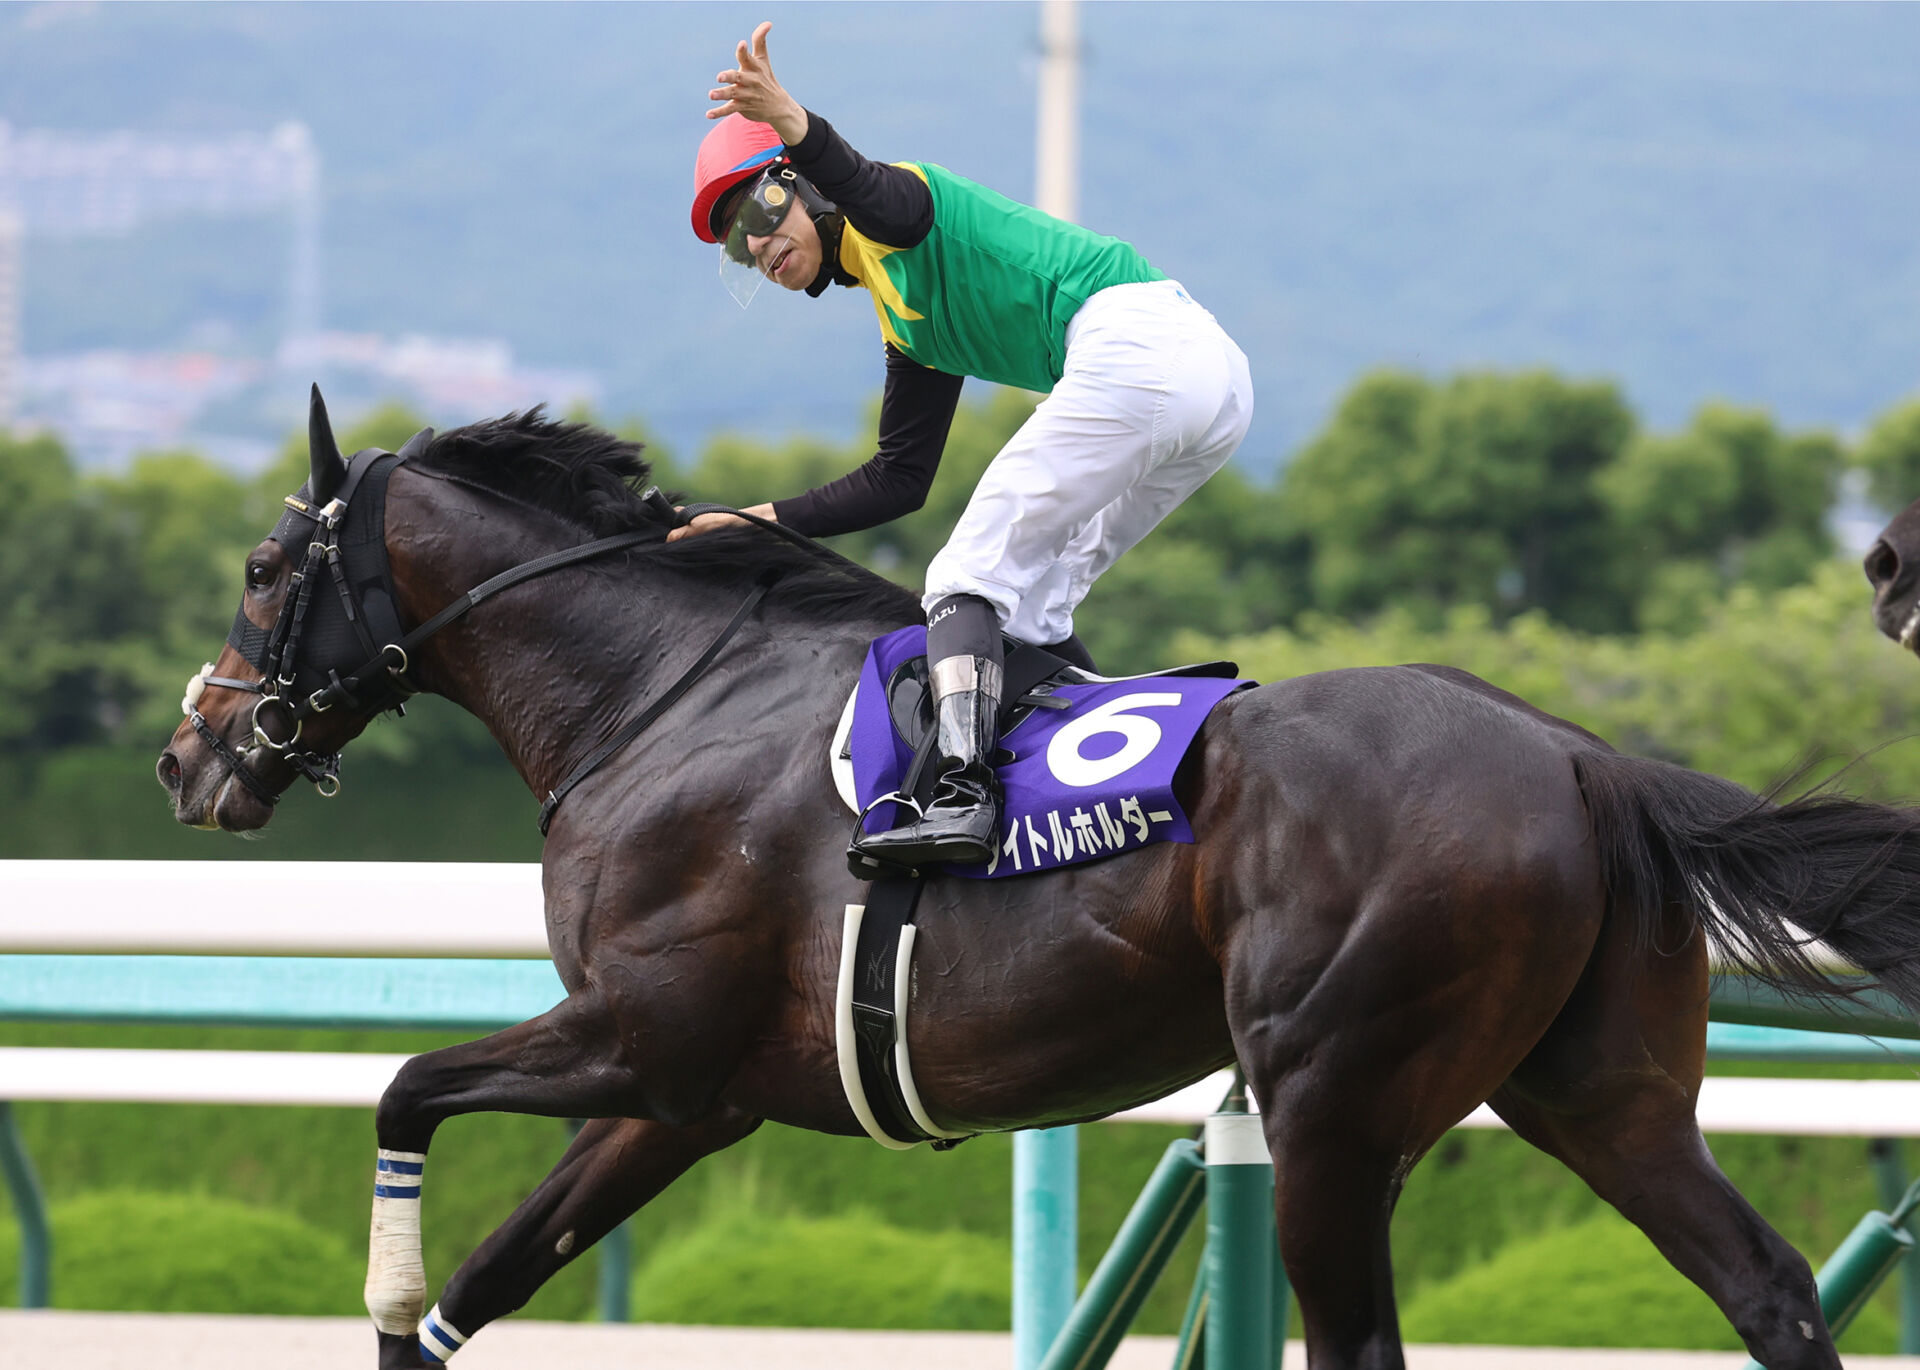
1698, 201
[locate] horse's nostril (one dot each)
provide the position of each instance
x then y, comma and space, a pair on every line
169, 769
1882, 564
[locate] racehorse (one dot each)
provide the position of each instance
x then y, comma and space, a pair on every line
1893, 568
1409, 892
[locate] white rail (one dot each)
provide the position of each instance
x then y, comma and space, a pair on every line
291, 908
273, 908
480, 909
1813, 1108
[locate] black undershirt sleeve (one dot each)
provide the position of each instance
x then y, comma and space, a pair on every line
888, 204
915, 413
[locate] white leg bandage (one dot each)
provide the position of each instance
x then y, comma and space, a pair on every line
396, 1278
438, 1337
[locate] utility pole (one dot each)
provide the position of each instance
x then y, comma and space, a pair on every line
1057, 156
12, 230
1046, 1162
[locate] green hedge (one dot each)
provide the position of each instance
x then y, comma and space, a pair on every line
126, 1251
1596, 1283
747, 1268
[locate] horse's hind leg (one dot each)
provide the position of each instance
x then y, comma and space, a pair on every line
613, 1167
1610, 1091
1396, 1036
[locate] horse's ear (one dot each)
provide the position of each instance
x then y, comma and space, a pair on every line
416, 444
329, 469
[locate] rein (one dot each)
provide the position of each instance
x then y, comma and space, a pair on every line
382, 677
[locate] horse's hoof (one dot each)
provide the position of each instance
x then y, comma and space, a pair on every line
402, 1353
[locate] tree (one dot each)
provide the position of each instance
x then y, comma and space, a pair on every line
1768, 681
1479, 489
1730, 500
70, 590
1890, 453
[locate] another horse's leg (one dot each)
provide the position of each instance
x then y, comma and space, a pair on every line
569, 1062
1610, 1091
613, 1167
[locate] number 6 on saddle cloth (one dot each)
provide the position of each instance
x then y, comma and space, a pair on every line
1087, 762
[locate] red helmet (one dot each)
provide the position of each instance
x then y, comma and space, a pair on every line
735, 149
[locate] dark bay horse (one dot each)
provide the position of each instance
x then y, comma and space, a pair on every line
1893, 569
1410, 893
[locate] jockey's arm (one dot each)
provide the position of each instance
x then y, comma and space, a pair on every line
915, 413
886, 203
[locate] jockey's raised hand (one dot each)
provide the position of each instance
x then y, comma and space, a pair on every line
750, 89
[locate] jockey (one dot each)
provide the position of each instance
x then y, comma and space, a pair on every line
1146, 397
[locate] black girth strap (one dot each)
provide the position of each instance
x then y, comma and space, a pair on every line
653, 711
890, 904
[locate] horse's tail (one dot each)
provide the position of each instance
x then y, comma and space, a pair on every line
1760, 877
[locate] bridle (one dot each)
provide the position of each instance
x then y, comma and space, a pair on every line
364, 613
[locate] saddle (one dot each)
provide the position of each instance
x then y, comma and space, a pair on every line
876, 961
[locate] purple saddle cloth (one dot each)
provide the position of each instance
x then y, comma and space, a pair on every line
1087, 781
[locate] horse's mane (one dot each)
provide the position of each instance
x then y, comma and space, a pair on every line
593, 479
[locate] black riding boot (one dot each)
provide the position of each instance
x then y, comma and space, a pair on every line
962, 820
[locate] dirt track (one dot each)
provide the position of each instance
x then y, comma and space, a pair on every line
143, 1341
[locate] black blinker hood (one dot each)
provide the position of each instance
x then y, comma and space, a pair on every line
341, 628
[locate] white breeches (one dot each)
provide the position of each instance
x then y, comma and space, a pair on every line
1154, 399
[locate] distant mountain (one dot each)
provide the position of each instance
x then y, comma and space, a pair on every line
1698, 200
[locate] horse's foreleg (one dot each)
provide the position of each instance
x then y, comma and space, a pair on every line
568, 1062
613, 1167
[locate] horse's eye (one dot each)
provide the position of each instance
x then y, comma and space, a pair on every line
259, 575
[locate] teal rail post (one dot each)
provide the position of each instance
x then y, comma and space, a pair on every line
1141, 1248
1191, 1346
1046, 1238
1242, 1249
1282, 1294
1889, 1169
1861, 1262
616, 1275
616, 1261
36, 1240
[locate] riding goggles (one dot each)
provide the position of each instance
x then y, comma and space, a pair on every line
768, 200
